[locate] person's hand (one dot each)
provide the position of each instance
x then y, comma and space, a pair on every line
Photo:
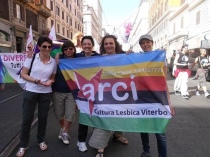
48, 83
172, 110
205, 64
129, 52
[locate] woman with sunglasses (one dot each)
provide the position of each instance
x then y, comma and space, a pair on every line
100, 137
63, 101
38, 91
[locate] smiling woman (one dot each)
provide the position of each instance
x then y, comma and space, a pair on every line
37, 91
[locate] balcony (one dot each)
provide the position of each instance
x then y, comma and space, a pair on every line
33, 6
43, 10
24, 1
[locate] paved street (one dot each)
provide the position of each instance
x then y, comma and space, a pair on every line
188, 133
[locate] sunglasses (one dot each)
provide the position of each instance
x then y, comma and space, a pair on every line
45, 46
29, 47
70, 48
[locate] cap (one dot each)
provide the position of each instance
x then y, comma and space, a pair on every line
145, 36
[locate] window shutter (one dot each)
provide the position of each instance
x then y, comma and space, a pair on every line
14, 10
22, 13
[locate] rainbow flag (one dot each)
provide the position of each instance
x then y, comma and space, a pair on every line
120, 92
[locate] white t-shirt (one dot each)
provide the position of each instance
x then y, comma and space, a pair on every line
41, 72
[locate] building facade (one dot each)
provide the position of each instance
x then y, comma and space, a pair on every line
16, 16
92, 13
177, 22
66, 16
140, 26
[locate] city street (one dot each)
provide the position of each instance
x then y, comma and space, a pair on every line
188, 132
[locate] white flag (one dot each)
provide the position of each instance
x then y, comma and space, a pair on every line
30, 39
52, 34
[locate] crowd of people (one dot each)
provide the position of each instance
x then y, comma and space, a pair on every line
181, 69
46, 82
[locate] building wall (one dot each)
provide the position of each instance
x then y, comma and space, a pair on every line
180, 18
92, 12
140, 27
68, 21
198, 31
16, 28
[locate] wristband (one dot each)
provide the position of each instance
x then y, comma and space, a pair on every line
35, 81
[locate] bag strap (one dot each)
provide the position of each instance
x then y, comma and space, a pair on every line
31, 64
199, 59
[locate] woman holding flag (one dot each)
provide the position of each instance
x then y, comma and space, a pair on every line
63, 101
100, 137
87, 44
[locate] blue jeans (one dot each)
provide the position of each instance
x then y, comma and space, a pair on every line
30, 100
161, 143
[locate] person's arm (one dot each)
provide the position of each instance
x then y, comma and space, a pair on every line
57, 57
25, 76
195, 62
51, 80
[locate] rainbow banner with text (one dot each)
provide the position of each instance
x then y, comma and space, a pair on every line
120, 92
10, 65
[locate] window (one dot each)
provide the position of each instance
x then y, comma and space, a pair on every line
63, 15
182, 22
63, 31
4, 9
67, 3
75, 25
67, 33
58, 28
70, 7
67, 19
174, 28
198, 18
31, 19
51, 5
166, 5
75, 12
52, 23
71, 21
18, 11
57, 11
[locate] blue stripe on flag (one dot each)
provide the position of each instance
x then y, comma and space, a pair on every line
110, 60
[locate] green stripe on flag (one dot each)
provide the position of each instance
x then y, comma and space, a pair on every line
149, 125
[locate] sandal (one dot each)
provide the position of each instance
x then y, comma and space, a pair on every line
21, 152
100, 154
120, 139
42, 146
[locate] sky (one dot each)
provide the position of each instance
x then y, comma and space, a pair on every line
116, 12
